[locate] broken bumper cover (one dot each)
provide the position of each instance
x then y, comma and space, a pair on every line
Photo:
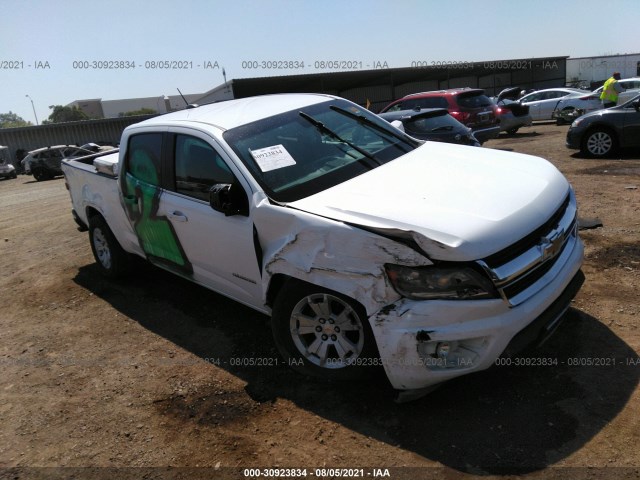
423, 343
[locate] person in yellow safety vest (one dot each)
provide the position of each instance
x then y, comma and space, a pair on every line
609, 95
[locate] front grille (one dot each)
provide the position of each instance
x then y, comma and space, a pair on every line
521, 246
519, 269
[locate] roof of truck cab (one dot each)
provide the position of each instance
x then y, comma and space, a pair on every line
233, 113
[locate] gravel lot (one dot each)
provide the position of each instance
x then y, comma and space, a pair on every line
149, 372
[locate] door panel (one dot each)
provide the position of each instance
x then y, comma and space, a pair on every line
141, 194
631, 128
220, 248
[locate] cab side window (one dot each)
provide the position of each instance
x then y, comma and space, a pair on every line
198, 167
143, 157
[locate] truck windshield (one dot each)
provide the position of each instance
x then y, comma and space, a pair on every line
298, 153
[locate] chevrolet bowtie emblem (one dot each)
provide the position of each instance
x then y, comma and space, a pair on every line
551, 245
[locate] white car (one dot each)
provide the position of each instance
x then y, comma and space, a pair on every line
7, 170
631, 86
368, 248
543, 104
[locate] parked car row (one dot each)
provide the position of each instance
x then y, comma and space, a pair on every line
567, 104
508, 112
470, 106
422, 115
45, 163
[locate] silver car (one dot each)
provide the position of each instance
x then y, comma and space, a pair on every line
512, 113
548, 104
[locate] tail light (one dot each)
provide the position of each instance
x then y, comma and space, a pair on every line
462, 117
500, 111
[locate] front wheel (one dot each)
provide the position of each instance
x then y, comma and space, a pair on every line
112, 260
40, 174
598, 143
323, 333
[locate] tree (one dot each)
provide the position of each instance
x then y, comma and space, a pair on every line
12, 120
65, 114
142, 111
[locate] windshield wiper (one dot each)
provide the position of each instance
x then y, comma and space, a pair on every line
375, 126
324, 129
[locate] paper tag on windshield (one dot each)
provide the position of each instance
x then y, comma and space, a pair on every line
272, 158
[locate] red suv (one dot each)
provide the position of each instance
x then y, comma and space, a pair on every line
469, 106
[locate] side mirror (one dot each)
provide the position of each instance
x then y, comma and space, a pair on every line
636, 105
398, 124
229, 198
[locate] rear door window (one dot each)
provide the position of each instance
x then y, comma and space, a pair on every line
143, 157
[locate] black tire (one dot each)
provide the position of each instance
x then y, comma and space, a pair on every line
40, 175
338, 329
599, 143
14, 174
112, 260
513, 131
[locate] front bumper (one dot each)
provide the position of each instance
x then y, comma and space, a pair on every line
475, 332
573, 139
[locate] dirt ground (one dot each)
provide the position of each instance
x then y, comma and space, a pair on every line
148, 372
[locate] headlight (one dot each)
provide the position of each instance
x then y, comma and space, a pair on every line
422, 283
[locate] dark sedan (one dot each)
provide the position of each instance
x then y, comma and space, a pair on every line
434, 124
600, 133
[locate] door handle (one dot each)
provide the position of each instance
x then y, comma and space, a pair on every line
178, 216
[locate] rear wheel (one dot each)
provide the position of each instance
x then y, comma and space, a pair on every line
323, 333
598, 143
110, 257
513, 131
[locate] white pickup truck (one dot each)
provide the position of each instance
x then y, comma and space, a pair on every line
366, 247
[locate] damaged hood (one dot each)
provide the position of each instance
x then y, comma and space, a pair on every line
458, 203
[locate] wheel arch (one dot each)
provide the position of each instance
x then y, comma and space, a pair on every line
91, 211
600, 126
279, 281
370, 291
118, 229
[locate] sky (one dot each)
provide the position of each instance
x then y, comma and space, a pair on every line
60, 51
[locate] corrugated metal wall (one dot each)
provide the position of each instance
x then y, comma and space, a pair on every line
70, 133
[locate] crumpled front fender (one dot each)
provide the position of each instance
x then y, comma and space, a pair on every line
330, 254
